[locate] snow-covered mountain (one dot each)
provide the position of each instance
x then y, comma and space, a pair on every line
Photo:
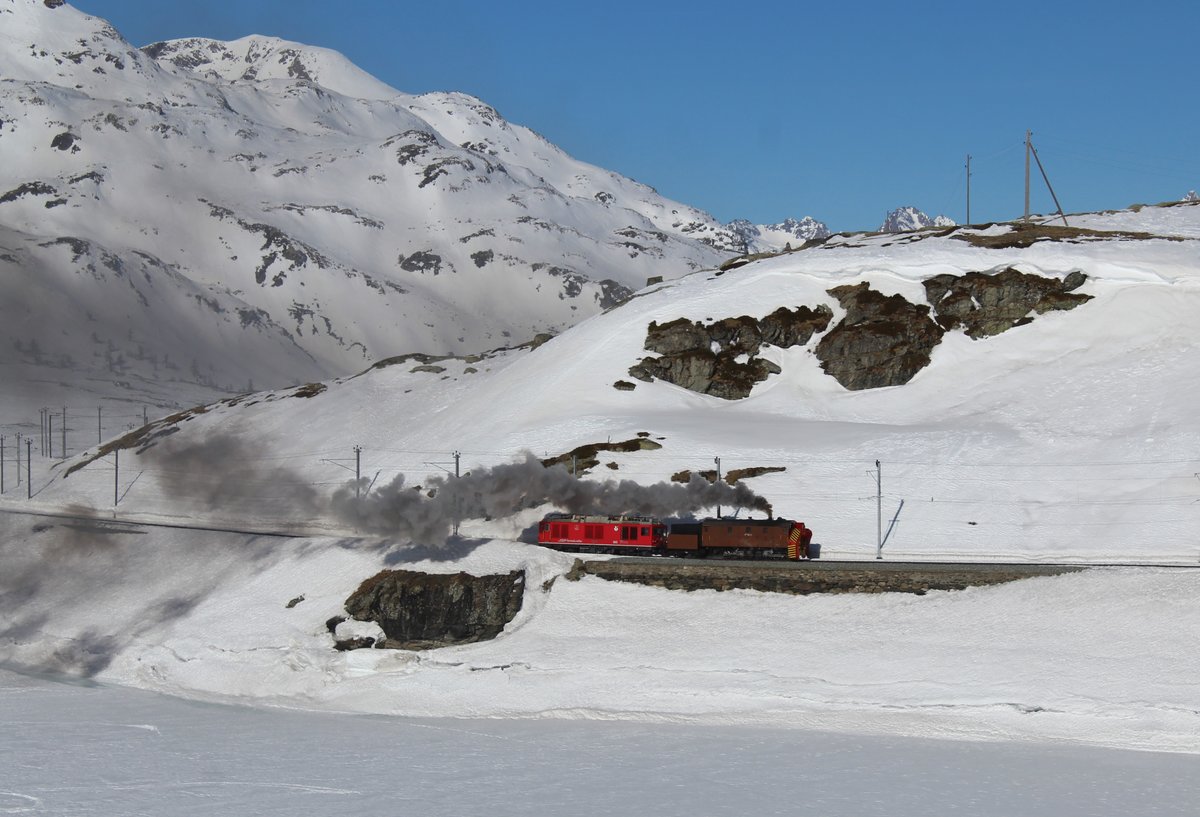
1191, 196
174, 204
775, 237
903, 219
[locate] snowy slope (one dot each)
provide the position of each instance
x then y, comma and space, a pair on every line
1069, 437
345, 221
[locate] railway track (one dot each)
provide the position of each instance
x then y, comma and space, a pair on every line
113, 523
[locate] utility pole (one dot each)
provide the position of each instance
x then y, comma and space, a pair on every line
99, 427
28, 473
358, 472
116, 476
457, 457
64, 433
878, 510
968, 189
1046, 179
49, 434
2, 439
145, 418
1028, 144
18, 458
717, 460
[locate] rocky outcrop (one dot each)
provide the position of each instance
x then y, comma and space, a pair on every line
882, 340
421, 610
586, 457
720, 358
985, 305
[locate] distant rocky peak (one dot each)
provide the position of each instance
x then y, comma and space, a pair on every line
805, 229
775, 237
903, 219
1191, 196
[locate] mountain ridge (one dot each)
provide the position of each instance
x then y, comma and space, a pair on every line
360, 227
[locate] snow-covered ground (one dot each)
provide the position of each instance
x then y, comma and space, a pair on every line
94, 750
1095, 658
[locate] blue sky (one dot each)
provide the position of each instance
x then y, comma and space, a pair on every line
764, 110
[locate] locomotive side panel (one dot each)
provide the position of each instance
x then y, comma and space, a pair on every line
684, 537
746, 534
612, 534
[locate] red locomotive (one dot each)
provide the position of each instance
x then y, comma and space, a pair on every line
641, 535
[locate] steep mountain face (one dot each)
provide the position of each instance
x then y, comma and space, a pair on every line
775, 237
903, 219
270, 197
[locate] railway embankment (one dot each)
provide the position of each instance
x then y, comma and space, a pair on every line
811, 577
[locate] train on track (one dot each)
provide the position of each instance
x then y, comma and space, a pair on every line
650, 536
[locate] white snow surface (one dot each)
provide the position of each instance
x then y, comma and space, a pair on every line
205, 615
98, 750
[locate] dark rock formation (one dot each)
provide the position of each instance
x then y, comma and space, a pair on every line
987, 305
882, 341
420, 611
586, 457
356, 643
733, 477
720, 358
422, 261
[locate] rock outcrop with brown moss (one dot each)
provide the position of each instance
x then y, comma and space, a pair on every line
985, 305
720, 358
883, 340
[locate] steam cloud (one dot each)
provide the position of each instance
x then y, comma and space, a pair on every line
399, 509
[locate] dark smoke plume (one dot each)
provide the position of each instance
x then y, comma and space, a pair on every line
427, 515
227, 473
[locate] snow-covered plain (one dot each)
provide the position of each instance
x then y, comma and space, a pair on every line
95, 750
1099, 657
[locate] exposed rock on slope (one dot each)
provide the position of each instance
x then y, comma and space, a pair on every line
720, 358
986, 304
422, 610
882, 340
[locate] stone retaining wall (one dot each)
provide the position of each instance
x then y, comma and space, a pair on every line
811, 577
